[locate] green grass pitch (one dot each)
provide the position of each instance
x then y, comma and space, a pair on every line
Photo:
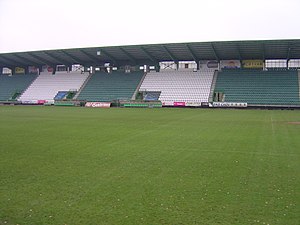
81, 166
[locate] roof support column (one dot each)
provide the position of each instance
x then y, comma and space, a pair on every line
215, 52
40, 69
288, 57
69, 68
26, 70
194, 56
157, 67
13, 70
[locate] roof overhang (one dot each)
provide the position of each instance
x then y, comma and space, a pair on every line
153, 53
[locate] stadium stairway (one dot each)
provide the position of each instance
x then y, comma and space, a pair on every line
82, 86
213, 85
138, 87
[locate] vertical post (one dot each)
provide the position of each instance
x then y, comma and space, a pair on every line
26, 70
69, 68
86, 69
157, 67
177, 65
40, 69
54, 69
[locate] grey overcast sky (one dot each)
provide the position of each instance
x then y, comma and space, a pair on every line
27, 25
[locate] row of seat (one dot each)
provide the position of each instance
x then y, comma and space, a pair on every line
259, 87
251, 86
111, 86
46, 86
179, 85
9, 85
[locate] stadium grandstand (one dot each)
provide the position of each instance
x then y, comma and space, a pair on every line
204, 74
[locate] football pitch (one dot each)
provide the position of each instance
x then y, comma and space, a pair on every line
81, 166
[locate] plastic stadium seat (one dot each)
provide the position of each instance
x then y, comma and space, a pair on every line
46, 86
259, 87
180, 85
113, 86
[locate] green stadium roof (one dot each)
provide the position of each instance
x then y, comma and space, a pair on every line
153, 53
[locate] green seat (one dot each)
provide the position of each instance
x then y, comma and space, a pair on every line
259, 87
11, 85
113, 86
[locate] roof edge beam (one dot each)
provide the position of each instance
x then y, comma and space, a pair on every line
150, 56
288, 57
40, 59
263, 51
215, 52
131, 58
93, 58
13, 61
192, 53
75, 59
112, 58
28, 60
170, 53
239, 52
57, 58
5, 64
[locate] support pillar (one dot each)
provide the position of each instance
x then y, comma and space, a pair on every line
54, 69
13, 70
40, 69
157, 68
198, 65
26, 70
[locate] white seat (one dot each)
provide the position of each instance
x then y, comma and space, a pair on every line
180, 85
46, 86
